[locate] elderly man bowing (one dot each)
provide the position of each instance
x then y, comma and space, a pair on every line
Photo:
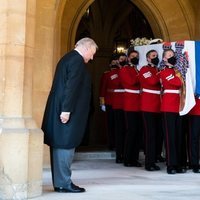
66, 112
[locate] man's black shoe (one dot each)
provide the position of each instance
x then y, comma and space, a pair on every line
152, 168
71, 188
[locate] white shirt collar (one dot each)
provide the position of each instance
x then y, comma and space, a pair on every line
78, 51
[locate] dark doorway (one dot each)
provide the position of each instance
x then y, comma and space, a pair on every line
109, 23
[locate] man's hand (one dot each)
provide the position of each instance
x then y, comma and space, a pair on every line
64, 117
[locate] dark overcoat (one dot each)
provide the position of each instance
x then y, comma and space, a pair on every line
70, 92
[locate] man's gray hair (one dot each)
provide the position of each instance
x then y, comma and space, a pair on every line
86, 43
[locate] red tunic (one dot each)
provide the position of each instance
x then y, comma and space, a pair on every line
150, 87
129, 78
115, 89
103, 90
171, 90
196, 109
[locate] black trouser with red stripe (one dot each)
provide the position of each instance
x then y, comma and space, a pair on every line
120, 132
132, 141
110, 126
194, 134
174, 139
153, 139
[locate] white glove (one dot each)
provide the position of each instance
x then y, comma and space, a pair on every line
103, 108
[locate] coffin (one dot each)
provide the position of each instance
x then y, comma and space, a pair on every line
188, 63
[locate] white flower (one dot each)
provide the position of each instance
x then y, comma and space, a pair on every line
144, 41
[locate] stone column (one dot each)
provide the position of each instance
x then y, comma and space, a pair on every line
21, 142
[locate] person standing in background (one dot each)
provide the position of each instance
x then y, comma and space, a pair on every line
129, 79
172, 84
194, 134
150, 107
105, 98
66, 112
117, 104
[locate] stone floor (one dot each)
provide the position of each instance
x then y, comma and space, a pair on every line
105, 180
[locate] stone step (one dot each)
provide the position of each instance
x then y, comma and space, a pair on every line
94, 155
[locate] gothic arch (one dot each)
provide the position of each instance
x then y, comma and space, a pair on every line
56, 26
165, 24
170, 21
65, 35
57, 22
154, 18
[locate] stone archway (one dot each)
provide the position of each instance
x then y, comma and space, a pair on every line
67, 23
57, 22
159, 15
164, 23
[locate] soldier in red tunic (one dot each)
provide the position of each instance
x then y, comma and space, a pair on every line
116, 90
194, 133
150, 107
106, 101
131, 105
170, 104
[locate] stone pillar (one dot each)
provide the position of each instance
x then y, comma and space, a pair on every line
21, 142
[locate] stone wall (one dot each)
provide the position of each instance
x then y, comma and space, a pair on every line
21, 141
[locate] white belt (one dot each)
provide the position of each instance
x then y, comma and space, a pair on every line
172, 91
151, 91
132, 91
118, 90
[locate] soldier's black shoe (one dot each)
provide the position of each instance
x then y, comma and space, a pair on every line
196, 169
152, 168
181, 170
132, 164
137, 164
70, 188
171, 170
160, 159
119, 160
